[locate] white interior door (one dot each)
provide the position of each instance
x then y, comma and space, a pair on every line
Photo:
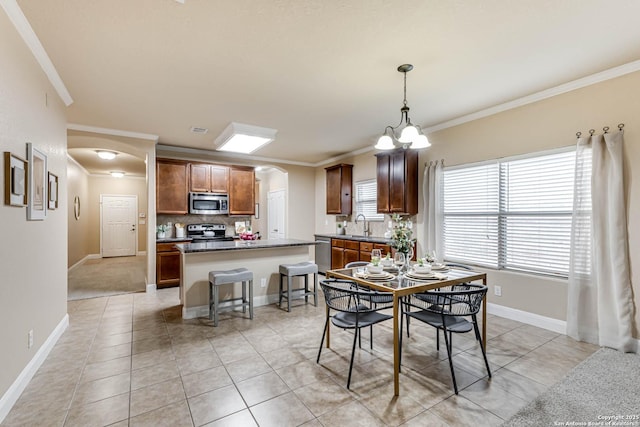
276, 203
118, 229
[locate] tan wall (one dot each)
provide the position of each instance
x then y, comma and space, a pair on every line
33, 258
108, 185
547, 124
78, 229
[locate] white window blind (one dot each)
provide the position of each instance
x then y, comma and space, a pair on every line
512, 214
366, 200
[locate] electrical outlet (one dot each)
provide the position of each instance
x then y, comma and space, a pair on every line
497, 290
263, 282
30, 336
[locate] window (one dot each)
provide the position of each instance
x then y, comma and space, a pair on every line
513, 213
366, 200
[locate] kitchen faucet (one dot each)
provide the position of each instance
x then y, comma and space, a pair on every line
365, 229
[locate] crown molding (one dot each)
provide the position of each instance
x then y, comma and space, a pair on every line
19, 21
75, 162
113, 132
602, 76
223, 154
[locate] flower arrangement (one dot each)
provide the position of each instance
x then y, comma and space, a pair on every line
402, 236
162, 228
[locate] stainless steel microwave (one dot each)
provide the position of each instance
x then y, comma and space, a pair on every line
208, 204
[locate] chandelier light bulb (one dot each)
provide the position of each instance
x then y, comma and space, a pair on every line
420, 142
385, 143
408, 135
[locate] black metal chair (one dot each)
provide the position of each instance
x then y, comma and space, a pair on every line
353, 264
452, 310
355, 310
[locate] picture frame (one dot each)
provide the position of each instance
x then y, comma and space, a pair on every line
15, 180
52, 191
37, 184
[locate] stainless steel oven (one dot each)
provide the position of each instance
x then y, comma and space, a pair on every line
208, 204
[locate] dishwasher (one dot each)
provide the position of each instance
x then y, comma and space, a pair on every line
323, 253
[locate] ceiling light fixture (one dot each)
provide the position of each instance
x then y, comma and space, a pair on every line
117, 174
106, 155
410, 135
245, 139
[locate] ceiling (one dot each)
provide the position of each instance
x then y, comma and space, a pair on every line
322, 72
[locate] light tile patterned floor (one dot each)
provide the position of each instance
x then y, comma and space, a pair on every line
132, 360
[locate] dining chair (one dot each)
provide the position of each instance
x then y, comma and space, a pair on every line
452, 310
353, 309
353, 264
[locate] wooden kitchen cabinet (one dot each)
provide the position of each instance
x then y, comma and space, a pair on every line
242, 182
208, 178
397, 181
339, 186
344, 251
172, 187
167, 265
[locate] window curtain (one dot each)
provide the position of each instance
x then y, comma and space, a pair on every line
600, 305
432, 191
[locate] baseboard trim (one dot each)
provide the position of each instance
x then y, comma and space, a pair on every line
551, 324
203, 310
151, 287
15, 390
90, 256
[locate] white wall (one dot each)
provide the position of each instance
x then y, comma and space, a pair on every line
33, 258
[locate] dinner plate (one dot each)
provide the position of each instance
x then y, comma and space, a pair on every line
440, 267
376, 276
426, 276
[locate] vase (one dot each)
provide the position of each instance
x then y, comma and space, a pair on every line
161, 234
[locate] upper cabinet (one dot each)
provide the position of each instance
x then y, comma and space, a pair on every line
397, 178
207, 178
242, 182
172, 187
339, 183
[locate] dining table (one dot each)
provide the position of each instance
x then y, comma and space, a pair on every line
401, 285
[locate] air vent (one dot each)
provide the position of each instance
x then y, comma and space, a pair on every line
195, 129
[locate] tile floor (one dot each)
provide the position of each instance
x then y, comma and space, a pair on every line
130, 360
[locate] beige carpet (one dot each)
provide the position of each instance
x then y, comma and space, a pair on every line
107, 276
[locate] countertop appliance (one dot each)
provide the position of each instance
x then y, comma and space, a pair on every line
323, 253
208, 204
207, 233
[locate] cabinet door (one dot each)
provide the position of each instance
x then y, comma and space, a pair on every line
339, 183
167, 269
219, 179
241, 191
382, 178
396, 182
200, 178
172, 187
350, 255
337, 260
334, 189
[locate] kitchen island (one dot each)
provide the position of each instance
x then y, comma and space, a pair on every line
262, 257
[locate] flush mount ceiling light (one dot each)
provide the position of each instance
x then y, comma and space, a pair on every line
106, 155
117, 174
241, 138
405, 134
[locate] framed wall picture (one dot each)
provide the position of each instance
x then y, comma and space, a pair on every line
15, 180
53, 191
37, 184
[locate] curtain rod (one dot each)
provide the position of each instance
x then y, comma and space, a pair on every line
434, 161
605, 129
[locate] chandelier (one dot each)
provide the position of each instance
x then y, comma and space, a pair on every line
405, 134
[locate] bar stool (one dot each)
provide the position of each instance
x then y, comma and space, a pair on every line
299, 269
223, 277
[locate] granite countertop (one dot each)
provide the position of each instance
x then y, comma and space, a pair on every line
240, 245
372, 239
174, 239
